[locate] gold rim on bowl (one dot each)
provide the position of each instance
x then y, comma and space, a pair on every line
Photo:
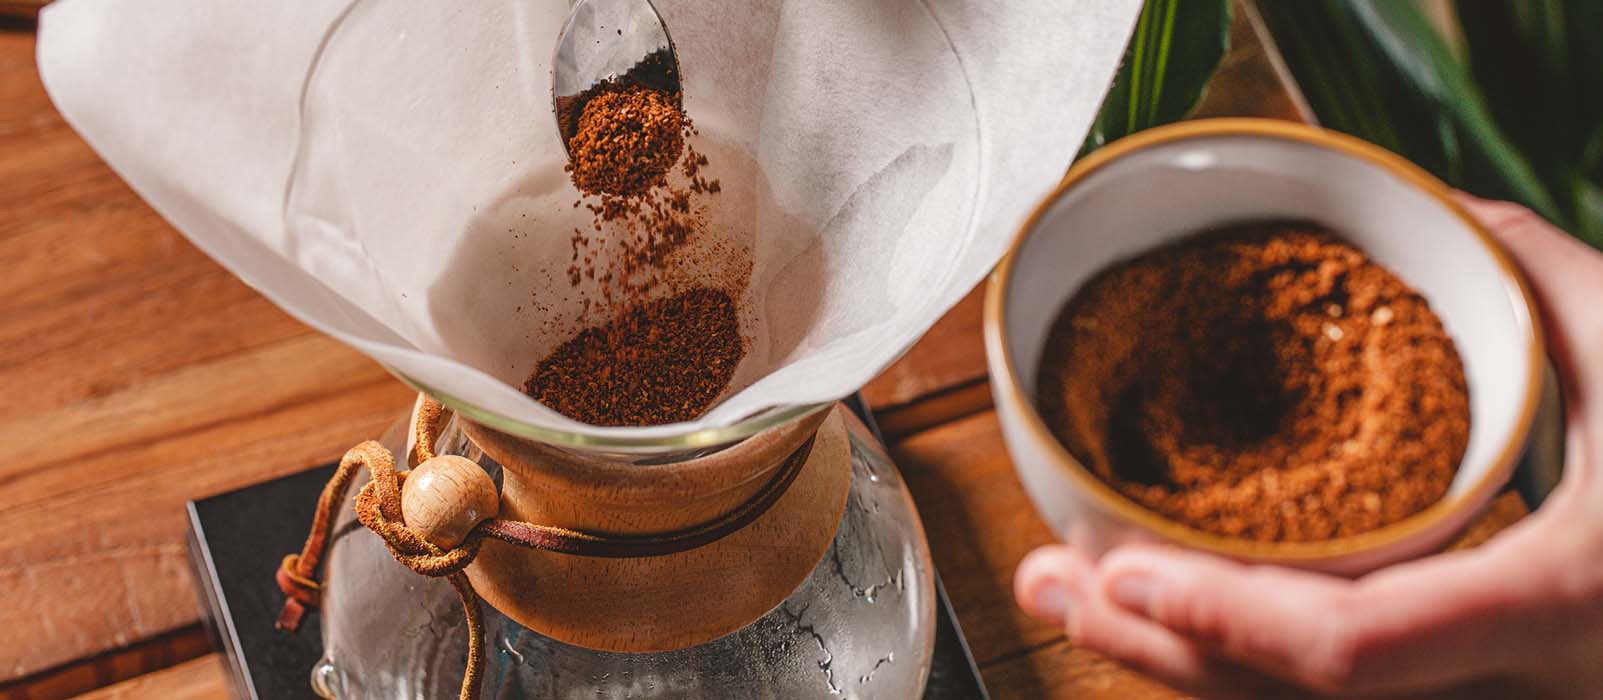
1013, 394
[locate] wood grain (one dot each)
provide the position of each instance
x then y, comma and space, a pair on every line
1058, 669
980, 524
205, 678
935, 408
141, 375
950, 354
22, 9
136, 659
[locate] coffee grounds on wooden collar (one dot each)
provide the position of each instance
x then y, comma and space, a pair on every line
1269, 382
663, 361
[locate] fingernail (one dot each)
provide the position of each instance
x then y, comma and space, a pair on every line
1133, 592
1052, 601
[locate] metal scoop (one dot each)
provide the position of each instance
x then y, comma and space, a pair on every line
604, 43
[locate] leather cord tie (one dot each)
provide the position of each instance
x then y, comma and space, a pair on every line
378, 507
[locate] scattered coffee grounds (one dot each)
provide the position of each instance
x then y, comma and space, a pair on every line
1267, 381
631, 237
645, 359
625, 136
627, 141
662, 361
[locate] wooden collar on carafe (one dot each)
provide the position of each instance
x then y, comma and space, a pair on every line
665, 602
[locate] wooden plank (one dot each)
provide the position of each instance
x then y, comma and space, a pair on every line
142, 375
91, 526
980, 524
205, 678
132, 661
130, 330
935, 408
1059, 670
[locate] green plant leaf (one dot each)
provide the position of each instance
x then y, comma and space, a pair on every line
1377, 69
1588, 212
1172, 54
1540, 65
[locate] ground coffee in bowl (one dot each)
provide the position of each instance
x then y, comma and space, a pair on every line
1267, 381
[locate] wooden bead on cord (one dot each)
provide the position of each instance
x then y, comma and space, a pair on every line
445, 497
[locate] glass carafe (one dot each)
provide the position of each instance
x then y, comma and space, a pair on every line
859, 624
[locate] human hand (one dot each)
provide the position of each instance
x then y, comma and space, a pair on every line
1519, 617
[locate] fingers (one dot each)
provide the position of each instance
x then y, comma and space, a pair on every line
1221, 628
1055, 583
1423, 625
1287, 623
1565, 276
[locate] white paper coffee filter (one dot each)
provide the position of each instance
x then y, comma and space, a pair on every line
390, 171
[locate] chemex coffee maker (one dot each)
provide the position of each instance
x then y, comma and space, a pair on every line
873, 160
787, 564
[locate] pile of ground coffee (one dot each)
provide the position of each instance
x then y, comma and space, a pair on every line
631, 236
662, 361
1267, 381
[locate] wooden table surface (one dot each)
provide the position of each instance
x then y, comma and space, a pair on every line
140, 375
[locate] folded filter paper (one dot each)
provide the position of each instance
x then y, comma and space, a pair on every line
390, 172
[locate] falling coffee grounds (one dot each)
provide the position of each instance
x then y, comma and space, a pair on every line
664, 361
1267, 381
655, 352
625, 137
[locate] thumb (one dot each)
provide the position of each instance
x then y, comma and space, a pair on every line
1416, 626
1566, 279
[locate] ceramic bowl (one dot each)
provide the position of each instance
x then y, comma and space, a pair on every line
1166, 183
